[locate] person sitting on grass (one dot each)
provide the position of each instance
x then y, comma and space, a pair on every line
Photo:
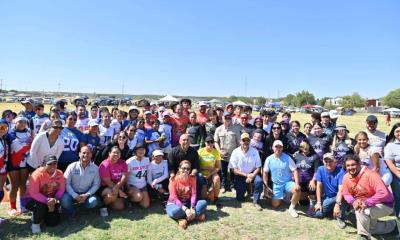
246, 164
113, 175
329, 191
45, 188
282, 167
210, 164
138, 166
82, 182
182, 204
157, 176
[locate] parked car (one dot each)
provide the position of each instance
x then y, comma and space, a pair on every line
12, 100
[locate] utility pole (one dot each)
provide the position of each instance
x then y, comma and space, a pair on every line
1, 85
59, 88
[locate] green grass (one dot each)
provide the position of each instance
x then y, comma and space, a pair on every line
234, 221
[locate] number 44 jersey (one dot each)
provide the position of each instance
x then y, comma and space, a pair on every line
137, 171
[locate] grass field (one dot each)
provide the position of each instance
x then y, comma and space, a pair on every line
233, 221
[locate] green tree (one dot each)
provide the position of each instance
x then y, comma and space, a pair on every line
260, 100
290, 100
323, 101
353, 101
304, 97
392, 99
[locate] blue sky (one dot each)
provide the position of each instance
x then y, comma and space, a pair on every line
202, 48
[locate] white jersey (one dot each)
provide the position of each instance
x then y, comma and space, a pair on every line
137, 171
158, 172
116, 126
82, 124
37, 123
106, 135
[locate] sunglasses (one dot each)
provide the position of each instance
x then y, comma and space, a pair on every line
51, 164
246, 140
185, 169
3, 127
58, 127
276, 128
211, 142
122, 137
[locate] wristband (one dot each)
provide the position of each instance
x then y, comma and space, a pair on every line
339, 203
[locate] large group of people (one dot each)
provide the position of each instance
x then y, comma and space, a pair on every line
106, 159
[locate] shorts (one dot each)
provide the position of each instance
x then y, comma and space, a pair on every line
279, 190
305, 189
143, 189
10, 167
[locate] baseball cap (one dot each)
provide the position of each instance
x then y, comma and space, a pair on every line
277, 142
244, 136
49, 159
158, 152
329, 156
209, 138
147, 112
340, 127
20, 118
325, 114
28, 100
333, 114
372, 118
57, 124
227, 114
140, 145
166, 113
133, 108
202, 103
161, 109
93, 123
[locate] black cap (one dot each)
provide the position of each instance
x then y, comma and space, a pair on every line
49, 159
209, 138
372, 118
139, 146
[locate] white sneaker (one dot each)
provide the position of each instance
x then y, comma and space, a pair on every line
36, 228
103, 212
293, 212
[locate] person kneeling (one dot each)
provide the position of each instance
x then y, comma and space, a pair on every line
46, 187
82, 182
137, 173
281, 167
182, 204
113, 175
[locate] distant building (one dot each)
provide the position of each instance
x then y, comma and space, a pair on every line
335, 101
373, 103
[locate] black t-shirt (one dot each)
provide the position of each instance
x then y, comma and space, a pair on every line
177, 155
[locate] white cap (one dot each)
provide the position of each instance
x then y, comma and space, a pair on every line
277, 142
333, 114
166, 113
202, 103
20, 118
133, 108
325, 114
161, 109
158, 152
92, 123
147, 112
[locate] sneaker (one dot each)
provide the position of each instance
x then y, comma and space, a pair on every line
183, 223
257, 207
293, 213
24, 210
13, 212
36, 228
218, 203
202, 217
340, 223
310, 211
2, 220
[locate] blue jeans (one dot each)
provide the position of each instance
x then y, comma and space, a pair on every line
176, 212
327, 208
241, 188
200, 182
396, 193
68, 203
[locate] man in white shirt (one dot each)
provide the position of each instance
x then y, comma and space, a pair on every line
376, 138
82, 182
246, 164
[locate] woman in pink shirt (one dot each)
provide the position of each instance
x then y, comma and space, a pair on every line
182, 203
113, 175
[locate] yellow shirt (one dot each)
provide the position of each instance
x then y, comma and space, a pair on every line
207, 159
